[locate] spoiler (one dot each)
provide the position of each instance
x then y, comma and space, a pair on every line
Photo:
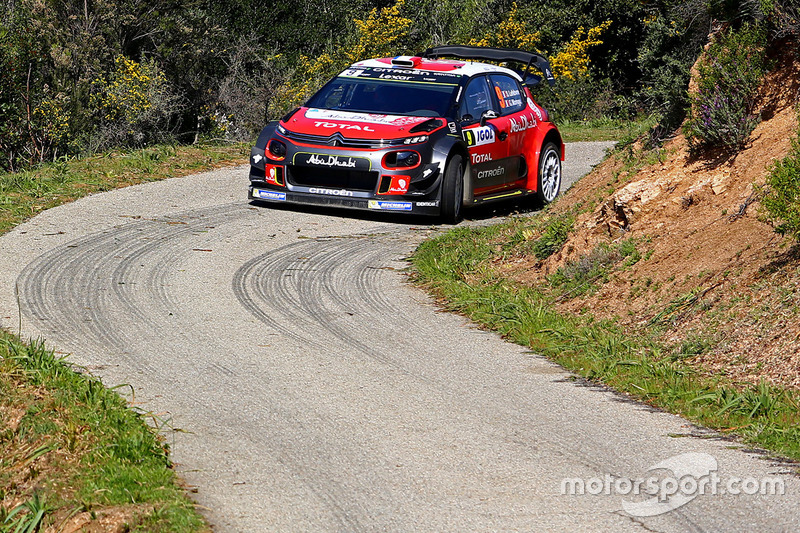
529, 59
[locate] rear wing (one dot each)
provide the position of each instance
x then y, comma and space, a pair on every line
496, 54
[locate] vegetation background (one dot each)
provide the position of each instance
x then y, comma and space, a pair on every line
78, 77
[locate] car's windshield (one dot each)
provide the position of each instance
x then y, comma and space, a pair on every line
391, 97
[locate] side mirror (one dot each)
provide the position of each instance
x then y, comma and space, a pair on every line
488, 114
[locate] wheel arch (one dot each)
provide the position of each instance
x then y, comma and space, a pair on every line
444, 151
550, 135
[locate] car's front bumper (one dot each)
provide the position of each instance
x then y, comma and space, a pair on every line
261, 191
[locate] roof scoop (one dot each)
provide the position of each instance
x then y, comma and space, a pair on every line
406, 61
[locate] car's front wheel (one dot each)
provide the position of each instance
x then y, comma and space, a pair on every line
549, 179
453, 190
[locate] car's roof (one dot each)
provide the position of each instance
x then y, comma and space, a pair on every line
449, 66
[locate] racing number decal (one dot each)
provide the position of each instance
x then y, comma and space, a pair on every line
480, 136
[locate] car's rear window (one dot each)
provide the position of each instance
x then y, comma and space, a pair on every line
371, 91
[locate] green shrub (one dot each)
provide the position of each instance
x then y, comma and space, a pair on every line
729, 76
781, 200
554, 236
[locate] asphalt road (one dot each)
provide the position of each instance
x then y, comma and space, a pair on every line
315, 390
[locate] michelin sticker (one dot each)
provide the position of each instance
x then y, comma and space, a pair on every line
390, 206
269, 195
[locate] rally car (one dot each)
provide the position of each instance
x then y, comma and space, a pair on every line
417, 134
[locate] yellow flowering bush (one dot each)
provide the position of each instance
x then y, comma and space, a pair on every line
128, 91
133, 103
52, 120
511, 33
572, 61
381, 34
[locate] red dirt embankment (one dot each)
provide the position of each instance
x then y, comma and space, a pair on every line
698, 217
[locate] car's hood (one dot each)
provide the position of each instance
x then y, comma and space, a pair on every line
311, 121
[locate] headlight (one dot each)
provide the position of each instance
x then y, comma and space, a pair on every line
276, 150
404, 159
415, 140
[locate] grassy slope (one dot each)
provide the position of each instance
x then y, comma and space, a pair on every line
465, 269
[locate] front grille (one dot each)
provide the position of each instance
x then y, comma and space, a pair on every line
333, 178
339, 140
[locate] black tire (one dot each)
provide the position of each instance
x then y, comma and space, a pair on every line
548, 182
453, 190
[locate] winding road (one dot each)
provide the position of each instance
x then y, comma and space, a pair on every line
307, 387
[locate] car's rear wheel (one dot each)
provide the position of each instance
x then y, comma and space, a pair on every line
549, 178
453, 190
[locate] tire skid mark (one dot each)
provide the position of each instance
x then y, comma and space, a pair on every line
83, 288
318, 285
91, 277
251, 293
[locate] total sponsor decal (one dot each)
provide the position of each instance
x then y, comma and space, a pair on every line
493, 173
481, 158
330, 192
325, 116
389, 206
522, 123
337, 126
479, 136
269, 195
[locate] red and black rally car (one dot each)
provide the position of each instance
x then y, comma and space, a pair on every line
415, 134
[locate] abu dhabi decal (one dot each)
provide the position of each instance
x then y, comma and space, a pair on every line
536, 110
331, 161
328, 116
522, 123
398, 185
479, 136
269, 195
390, 206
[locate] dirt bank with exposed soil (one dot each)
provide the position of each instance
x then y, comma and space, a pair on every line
711, 268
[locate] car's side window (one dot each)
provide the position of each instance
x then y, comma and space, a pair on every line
475, 100
508, 92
